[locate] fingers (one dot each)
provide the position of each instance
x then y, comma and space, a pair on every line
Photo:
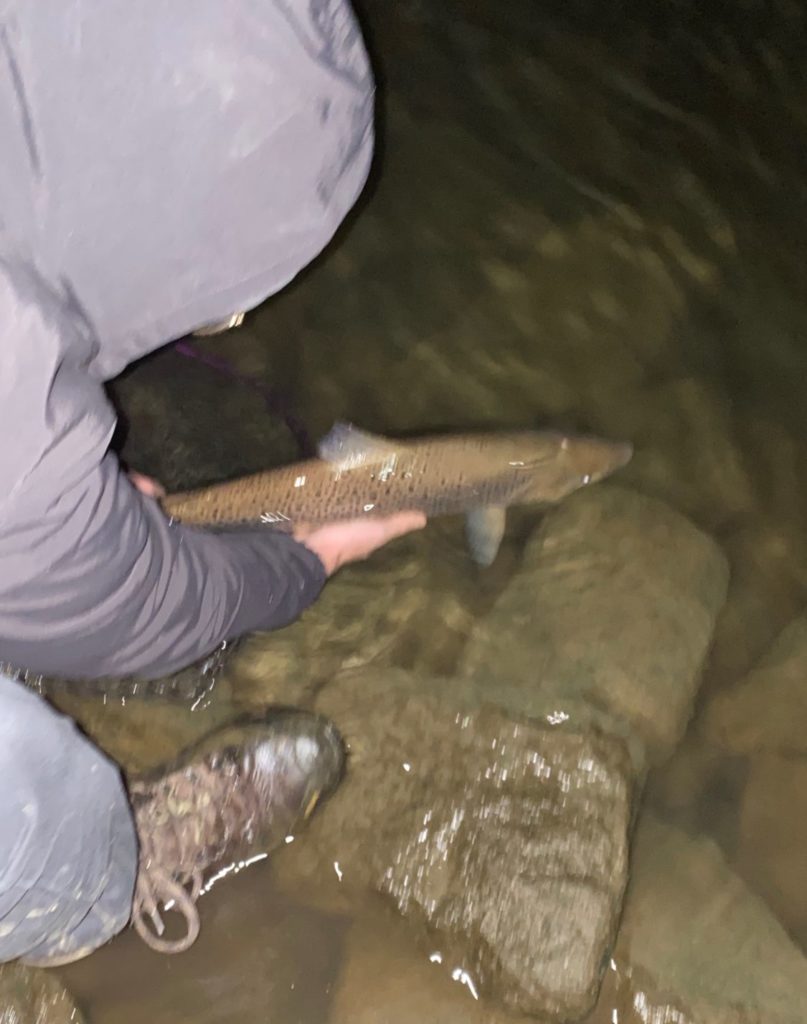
402, 523
353, 540
145, 484
389, 527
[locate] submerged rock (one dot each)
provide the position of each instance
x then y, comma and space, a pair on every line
503, 842
767, 591
385, 979
262, 956
521, 869
688, 438
609, 619
413, 607
772, 841
31, 996
139, 735
767, 710
702, 948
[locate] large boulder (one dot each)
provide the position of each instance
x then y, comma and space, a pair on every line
767, 591
504, 842
385, 980
262, 956
696, 945
767, 710
772, 837
608, 620
412, 606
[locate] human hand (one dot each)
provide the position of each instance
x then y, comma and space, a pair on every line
336, 544
146, 485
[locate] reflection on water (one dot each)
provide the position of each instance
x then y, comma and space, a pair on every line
589, 215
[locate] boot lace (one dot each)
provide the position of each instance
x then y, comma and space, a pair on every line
185, 821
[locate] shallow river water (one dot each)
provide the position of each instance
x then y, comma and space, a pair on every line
583, 215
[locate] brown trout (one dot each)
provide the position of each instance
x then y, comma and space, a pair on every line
361, 474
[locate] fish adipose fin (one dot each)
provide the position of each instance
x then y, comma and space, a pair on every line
346, 446
484, 529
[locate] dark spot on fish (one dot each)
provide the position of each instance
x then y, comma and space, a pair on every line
324, 111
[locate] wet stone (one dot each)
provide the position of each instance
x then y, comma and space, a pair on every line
772, 842
689, 438
262, 956
140, 723
609, 620
413, 607
140, 735
385, 980
522, 878
767, 591
767, 710
31, 996
698, 942
504, 843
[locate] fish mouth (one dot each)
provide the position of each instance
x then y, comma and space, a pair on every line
604, 458
617, 456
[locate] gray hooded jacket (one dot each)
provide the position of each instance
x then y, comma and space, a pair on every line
162, 166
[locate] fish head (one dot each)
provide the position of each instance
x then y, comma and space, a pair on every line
557, 464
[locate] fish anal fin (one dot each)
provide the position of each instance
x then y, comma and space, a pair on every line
484, 529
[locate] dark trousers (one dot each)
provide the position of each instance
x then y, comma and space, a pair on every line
68, 847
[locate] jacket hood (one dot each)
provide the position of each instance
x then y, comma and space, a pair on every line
168, 164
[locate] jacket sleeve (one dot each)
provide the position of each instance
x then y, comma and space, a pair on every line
93, 579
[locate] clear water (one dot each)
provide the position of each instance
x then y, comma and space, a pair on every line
586, 215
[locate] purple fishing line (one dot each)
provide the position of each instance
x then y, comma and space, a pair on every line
275, 402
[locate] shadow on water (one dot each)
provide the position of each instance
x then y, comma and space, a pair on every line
581, 214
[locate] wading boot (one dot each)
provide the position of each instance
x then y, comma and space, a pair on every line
237, 794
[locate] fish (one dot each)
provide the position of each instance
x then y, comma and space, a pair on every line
356, 473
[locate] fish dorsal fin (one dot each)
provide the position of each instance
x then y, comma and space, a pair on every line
345, 445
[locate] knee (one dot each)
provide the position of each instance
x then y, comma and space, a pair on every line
67, 838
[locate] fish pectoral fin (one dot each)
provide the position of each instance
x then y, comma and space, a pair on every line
484, 528
346, 445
